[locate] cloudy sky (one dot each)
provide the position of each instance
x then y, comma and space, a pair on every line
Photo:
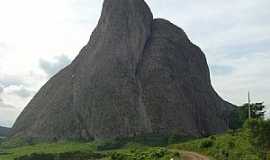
38, 38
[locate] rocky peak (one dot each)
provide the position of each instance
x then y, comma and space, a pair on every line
135, 76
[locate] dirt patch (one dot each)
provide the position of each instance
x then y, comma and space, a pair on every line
192, 156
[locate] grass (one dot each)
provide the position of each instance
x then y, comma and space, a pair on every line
113, 149
61, 147
230, 146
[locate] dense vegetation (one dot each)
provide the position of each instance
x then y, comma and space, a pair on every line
145, 154
258, 132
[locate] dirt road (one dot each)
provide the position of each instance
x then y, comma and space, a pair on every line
192, 156
187, 155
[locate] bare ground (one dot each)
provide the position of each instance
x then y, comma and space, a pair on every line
192, 156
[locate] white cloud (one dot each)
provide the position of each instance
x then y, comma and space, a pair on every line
250, 74
51, 67
1, 90
234, 36
8, 115
20, 91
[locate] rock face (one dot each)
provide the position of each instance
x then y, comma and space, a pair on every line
4, 131
135, 76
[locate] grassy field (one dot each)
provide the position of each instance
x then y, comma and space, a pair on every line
229, 146
113, 150
61, 147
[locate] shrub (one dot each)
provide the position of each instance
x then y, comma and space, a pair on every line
231, 144
213, 138
172, 139
207, 143
147, 154
118, 156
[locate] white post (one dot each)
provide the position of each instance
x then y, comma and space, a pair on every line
249, 106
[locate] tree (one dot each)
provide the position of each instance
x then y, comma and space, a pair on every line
237, 118
241, 113
256, 109
258, 131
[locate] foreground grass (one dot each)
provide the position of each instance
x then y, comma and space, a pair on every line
61, 147
230, 146
107, 150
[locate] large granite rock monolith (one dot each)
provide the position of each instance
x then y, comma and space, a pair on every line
137, 75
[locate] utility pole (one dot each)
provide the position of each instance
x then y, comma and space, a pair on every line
249, 106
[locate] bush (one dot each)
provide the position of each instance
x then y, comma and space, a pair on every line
213, 138
207, 143
118, 156
231, 144
150, 154
172, 139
